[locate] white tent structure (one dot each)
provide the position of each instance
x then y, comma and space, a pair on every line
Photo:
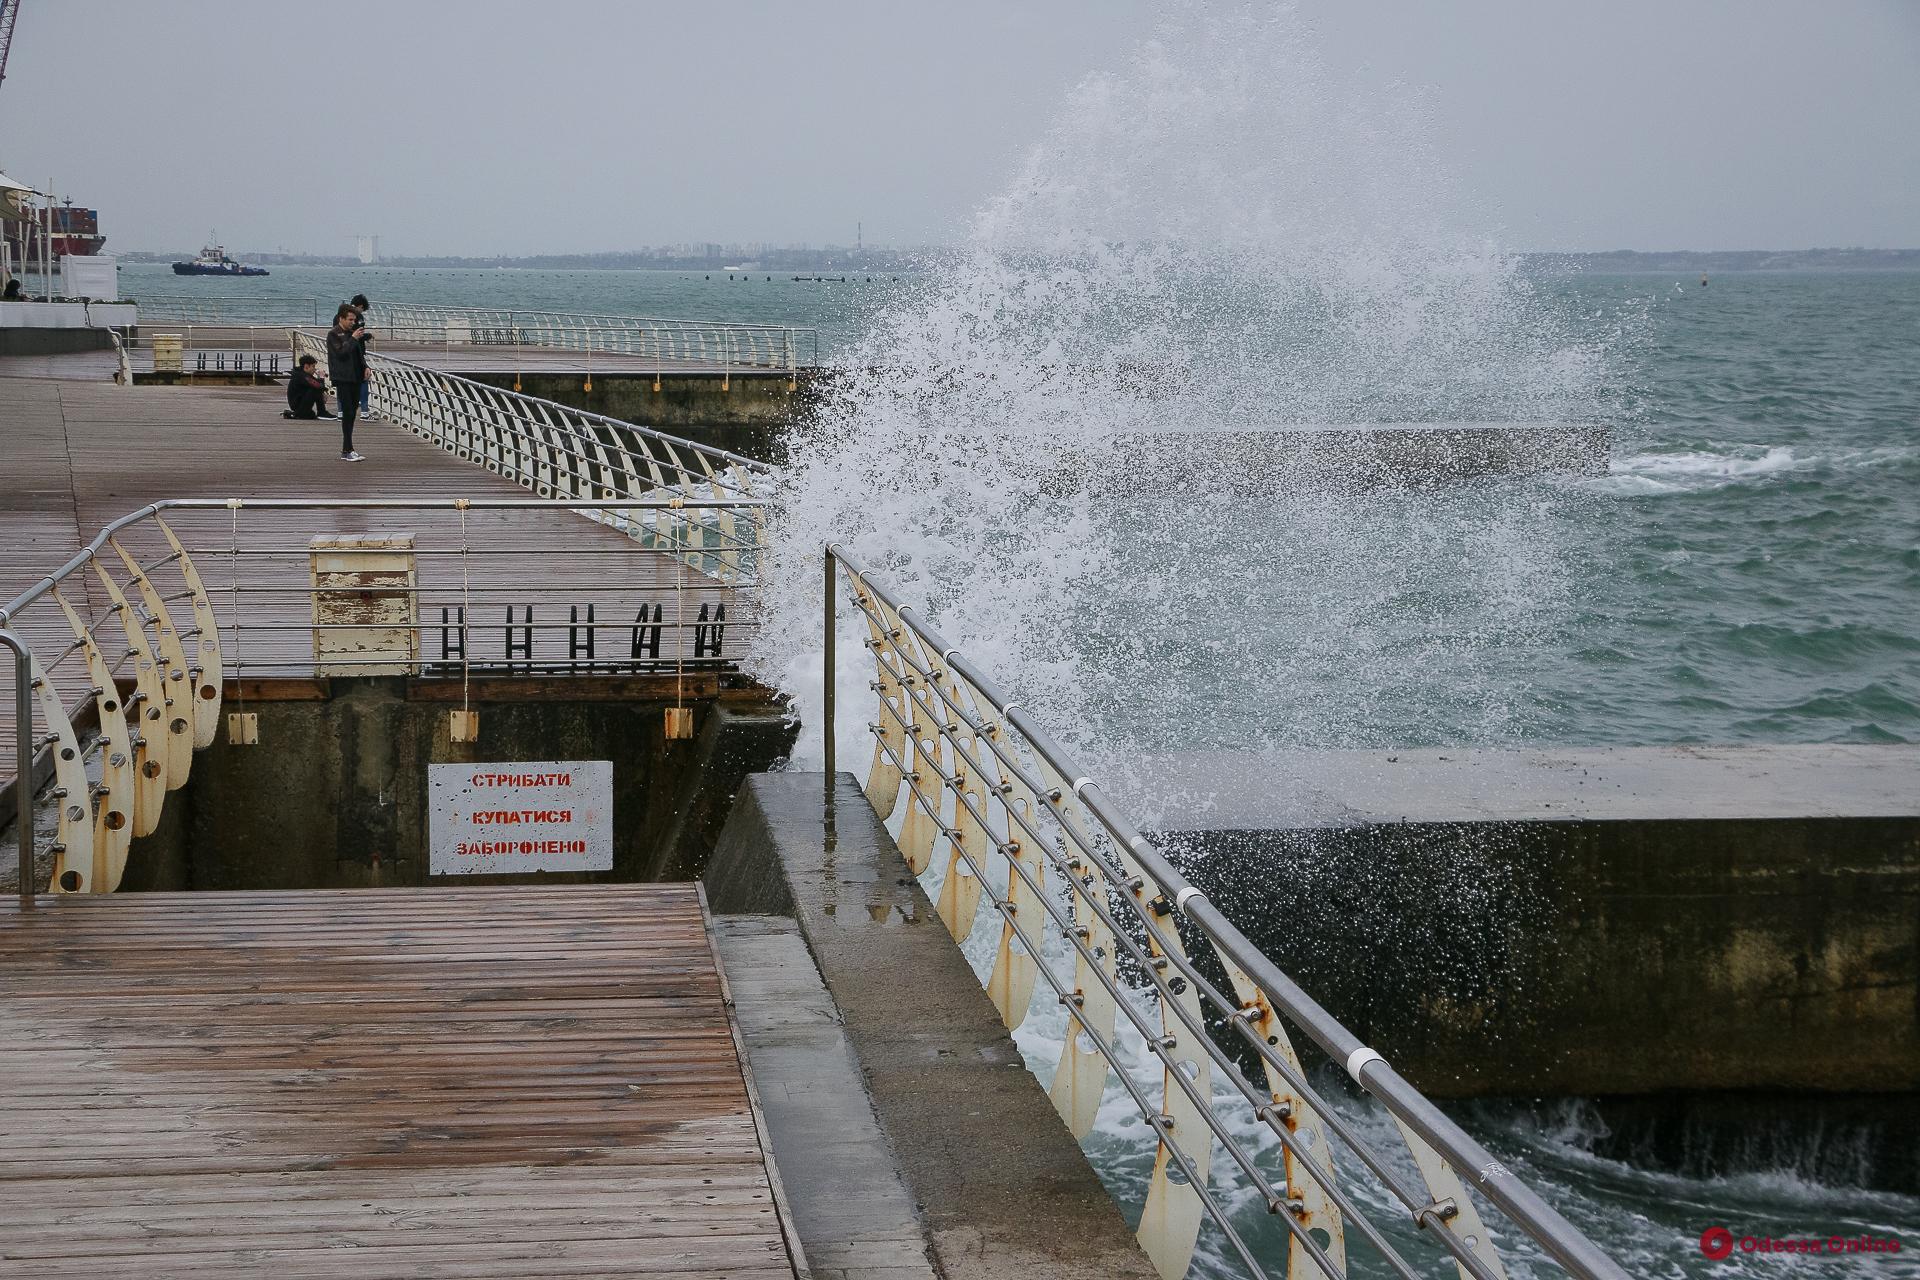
13, 208
12, 198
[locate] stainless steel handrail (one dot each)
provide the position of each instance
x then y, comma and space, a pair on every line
560, 451
722, 344
86, 554
584, 317
736, 344
925, 689
182, 307
315, 344
209, 334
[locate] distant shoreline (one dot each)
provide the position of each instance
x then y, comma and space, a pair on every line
827, 262
1634, 261
834, 261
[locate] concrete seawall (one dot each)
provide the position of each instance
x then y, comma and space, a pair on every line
52, 342
1582, 922
743, 413
337, 798
751, 414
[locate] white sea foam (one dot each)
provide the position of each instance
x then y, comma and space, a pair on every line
1717, 467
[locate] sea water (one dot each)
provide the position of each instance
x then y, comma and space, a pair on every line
1747, 570
833, 306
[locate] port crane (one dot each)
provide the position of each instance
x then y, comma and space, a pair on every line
9, 10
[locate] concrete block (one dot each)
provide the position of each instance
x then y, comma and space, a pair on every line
1002, 1187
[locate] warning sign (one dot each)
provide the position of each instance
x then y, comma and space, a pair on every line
501, 819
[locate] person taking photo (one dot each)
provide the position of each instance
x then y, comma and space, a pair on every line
359, 303
347, 366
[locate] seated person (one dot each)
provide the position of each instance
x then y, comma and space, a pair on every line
306, 392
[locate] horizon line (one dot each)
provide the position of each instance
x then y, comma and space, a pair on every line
661, 250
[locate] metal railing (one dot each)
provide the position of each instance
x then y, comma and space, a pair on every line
650, 338
23, 752
700, 343
206, 591
204, 348
200, 309
985, 784
561, 452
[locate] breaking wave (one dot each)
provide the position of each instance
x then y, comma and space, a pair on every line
1217, 236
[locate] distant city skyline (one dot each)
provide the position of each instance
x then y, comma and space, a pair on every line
480, 129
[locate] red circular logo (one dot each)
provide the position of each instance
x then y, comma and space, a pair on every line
1716, 1243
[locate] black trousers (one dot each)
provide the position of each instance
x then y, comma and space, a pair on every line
348, 393
306, 402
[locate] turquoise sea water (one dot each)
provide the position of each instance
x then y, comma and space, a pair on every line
1748, 571
1755, 574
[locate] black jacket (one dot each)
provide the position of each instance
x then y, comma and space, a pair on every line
346, 356
306, 394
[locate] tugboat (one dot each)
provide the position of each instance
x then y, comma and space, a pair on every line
213, 261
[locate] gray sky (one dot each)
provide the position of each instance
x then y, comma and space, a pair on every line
483, 126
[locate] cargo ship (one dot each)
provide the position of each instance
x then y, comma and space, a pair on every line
76, 231
213, 261
31, 229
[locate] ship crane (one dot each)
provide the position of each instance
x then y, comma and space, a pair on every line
9, 10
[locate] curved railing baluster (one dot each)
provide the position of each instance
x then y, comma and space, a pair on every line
561, 452
75, 868
713, 343
146, 739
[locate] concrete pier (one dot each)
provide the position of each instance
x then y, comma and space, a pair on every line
340, 801
1238, 462
1001, 1186
1585, 922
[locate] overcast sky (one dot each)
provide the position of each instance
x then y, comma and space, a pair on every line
483, 126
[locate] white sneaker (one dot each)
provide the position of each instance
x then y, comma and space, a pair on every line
352, 457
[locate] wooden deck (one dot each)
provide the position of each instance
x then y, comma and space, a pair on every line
80, 454
384, 1083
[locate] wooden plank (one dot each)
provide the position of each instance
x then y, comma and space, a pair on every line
475, 1081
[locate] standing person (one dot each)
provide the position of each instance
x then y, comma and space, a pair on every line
359, 303
347, 366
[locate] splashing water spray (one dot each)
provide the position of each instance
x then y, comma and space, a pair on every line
1213, 242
